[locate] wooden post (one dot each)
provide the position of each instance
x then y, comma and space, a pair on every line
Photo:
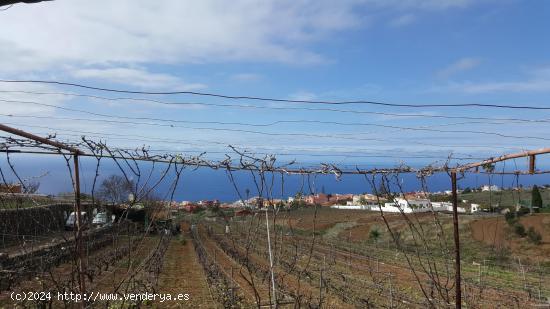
80, 250
78, 237
391, 291
458, 291
321, 281
531, 164
479, 274
270, 259
232, 287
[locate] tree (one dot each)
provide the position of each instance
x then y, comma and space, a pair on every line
362, 201
374, 235
536, 198
31, 187
115, 189
383, 191
298, 201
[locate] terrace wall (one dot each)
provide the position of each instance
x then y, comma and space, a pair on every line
37, 220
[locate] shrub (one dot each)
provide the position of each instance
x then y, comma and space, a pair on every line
534, 236
519, 229
510, 217
523, 211
536, 198
499, 254
374, 234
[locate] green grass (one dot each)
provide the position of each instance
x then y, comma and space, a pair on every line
339, 227
506, 198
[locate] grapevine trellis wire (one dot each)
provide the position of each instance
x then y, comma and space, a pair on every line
435, 284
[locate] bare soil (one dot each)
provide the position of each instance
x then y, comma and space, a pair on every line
497, 232
182, 273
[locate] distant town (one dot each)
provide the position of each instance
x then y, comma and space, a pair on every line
410, 202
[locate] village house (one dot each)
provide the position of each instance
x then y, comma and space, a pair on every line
11, 188
369, 199
328, 199
407, 205
319, 198
337, 198
493, 188
209, 203
446, 207
254, 202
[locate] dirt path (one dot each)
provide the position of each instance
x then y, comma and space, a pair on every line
182, 274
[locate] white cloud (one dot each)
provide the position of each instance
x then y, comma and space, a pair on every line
402, 20
16, 99
118, 33
137, 77
538, 80
343, 94
303, 96
104, 32
461, 65
423, 4
246, 77
523, 86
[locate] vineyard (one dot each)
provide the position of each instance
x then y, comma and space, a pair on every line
124, 244
336, 273
229, 267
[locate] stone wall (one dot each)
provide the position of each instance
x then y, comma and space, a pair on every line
36, 221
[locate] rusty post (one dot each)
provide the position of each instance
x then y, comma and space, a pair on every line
458, 291
531, 164
81, 264
274, 291
78, 237
42, 140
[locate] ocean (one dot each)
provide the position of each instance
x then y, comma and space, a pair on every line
207, 184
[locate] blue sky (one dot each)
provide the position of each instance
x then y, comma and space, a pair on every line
414, 51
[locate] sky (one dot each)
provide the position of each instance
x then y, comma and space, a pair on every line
405, 52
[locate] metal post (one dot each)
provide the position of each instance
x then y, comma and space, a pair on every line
270, 258
458, 292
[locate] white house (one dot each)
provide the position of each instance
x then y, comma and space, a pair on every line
407, 205
239, 203
475, 208
348, 206
490, 188
446, 206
